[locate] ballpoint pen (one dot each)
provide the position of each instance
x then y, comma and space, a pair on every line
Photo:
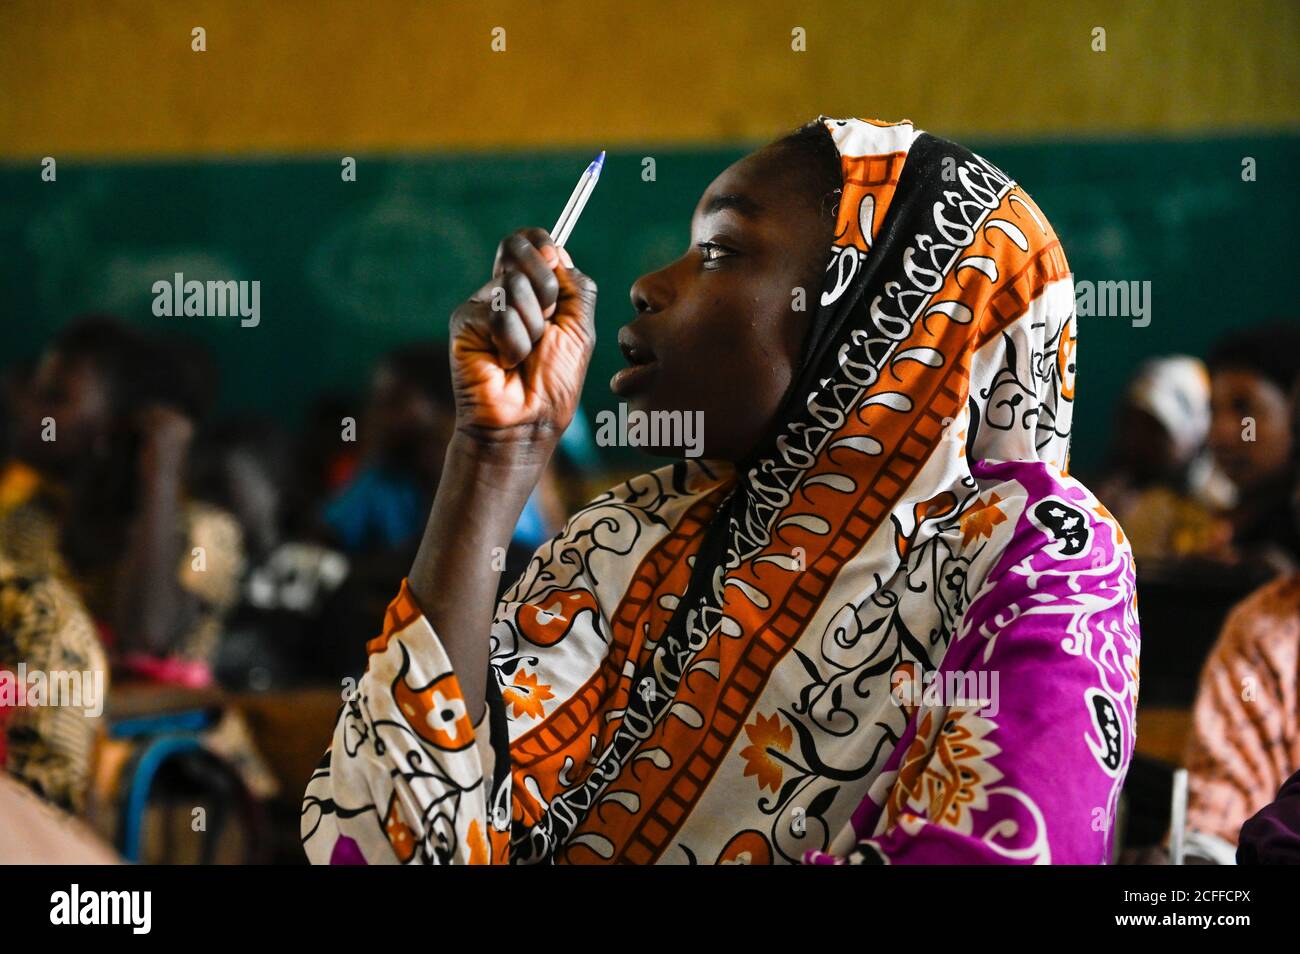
577, 201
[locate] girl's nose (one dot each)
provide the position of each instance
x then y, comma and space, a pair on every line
652, 292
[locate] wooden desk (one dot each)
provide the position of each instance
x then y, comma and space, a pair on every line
1162, 732
291, 727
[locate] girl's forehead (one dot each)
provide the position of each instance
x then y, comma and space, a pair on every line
750, 187
761, 169
743, 204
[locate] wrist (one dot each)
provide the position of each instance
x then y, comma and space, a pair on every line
528, 453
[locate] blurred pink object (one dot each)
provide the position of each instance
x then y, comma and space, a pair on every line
176, 672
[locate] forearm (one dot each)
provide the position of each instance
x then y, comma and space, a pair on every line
454, 578
150, 598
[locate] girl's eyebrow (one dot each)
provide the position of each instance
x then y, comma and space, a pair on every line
734, 201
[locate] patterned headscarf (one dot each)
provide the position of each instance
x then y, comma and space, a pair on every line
945, 326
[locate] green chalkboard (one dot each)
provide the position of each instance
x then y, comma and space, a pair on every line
349, 269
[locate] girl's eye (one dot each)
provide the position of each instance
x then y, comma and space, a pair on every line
712, 251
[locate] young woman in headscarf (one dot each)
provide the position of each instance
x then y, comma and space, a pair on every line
1161, 481
874, 622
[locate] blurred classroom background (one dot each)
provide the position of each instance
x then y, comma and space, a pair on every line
226, 164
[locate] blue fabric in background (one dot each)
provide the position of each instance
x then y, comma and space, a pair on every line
377, 510
381, 510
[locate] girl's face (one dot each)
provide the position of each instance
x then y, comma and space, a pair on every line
1249, 455
720, 330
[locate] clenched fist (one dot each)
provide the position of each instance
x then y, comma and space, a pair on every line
521, 344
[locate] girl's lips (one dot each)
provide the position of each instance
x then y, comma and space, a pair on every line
629, 380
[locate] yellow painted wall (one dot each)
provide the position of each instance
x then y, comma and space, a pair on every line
110, 79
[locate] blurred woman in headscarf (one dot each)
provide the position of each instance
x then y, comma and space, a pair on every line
875, 621
1161, 482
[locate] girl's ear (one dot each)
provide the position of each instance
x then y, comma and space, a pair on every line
835, 209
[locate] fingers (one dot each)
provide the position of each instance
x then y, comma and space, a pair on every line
504, 314
510, 339
531, 280
523, 299
532, 253
500, 328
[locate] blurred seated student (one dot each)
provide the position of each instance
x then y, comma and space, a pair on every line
95, 495
389, 461
1161, 484
409, 419
1272, 835
322, 463
403, 434
47, 742
377, 518
1252, 375
1245, 739
271, 636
